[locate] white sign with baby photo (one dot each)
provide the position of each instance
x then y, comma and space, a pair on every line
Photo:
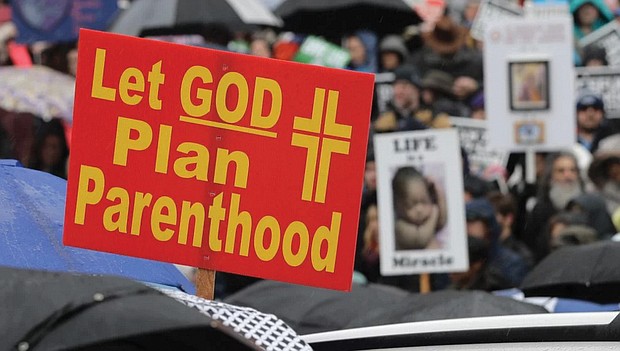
420, 202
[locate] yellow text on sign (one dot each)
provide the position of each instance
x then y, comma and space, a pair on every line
198, 85
196, 162
199, 93
131, 83
170, 218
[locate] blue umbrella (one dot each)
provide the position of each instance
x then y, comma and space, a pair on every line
32, 206
559, 304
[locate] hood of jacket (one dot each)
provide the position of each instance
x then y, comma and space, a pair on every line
600, 5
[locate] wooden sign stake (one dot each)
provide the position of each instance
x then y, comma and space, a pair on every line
205, 283
425, 283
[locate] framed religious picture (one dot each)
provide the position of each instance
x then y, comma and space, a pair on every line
528, 85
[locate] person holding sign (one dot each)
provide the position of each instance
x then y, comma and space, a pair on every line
420, 210
406, 111
405, 103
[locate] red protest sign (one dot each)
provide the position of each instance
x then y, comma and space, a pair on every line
217, 160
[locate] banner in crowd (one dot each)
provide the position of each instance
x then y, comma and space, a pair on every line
604, 80
60, 20
529, 74
420, 202
608, 37
318, 51
491, 10
217, 160
484, 162
384, 90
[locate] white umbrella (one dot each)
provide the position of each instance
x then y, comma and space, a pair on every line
39, 90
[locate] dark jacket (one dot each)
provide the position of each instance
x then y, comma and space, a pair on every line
465, 62
594, 208
395, 120
505, 268
536, 227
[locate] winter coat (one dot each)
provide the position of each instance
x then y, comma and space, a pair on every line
505, 267
595, 210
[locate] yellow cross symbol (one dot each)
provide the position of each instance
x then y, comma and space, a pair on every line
321, 144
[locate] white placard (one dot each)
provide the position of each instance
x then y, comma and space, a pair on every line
546, 10
529, 83
384, 90
605, 81
420, 202
608, 37
490, 10
484, 162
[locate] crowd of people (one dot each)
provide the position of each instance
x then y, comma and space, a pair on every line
424, 77
575, 199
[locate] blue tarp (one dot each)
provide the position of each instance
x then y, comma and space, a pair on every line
559, 304
32, 206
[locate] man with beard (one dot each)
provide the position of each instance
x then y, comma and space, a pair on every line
561, 182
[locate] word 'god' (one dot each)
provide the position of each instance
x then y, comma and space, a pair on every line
200, 94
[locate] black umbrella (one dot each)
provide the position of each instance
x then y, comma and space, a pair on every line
63, 311
337, 17
311, 310
144, 15
446, 304
587, 272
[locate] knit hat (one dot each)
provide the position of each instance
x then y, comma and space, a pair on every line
587, 98
407, 73
394, 43
438, 80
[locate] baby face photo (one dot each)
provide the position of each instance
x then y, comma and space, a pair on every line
421, 224
419, 210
